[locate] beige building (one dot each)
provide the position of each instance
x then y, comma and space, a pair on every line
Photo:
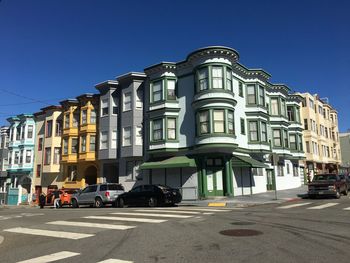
321, 135
48, 148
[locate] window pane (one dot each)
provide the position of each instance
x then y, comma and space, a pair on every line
217, 77
274, 107
219, 116
253, 130
203, 79
251, 98
158, 129
171, 90
171, 129
157, 91
127, 101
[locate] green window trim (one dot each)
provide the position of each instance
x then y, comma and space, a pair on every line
281, 105
164, 129
259, 95
210, 122
205, 78
240, 89
164, 91
159, 130
175, 129
255, 131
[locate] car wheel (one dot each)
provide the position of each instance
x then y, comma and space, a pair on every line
98, 202
337, 194
345, 191
152, 202
121, 203
75, 203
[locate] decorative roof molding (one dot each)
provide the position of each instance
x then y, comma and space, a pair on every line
274, 88
161, 67
244, 72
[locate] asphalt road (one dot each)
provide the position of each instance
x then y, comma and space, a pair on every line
299, 231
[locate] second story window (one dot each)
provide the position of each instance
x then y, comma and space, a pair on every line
65, 146
47, 156
277, 140
204, 122
292, 142
48, 130
157, 130
127, 101
127, 136
285, 138
83, 117
171, 129
104, 140
74, 148
40, 144
92, 147
104, 107
219, 122
83, 143
251, 95
253, 131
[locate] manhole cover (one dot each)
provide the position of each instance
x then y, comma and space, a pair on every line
242, 223
240, 232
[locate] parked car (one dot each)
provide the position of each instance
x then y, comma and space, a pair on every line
149, 195
327, 185
97, 195
346, 177
66, 196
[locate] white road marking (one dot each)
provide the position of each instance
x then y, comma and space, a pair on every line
348, 208
1, 239
51, 257
208, 209
294, 205
323, 206
95, 225
116, 218
50, 233
111, 260
169, 211
151, 214
206, 213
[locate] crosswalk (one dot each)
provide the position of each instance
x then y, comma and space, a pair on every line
313, 206
120, 220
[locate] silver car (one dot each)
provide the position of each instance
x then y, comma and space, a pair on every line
97, 195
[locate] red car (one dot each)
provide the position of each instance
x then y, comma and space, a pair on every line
66, 195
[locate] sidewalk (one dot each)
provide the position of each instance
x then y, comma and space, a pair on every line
251, 200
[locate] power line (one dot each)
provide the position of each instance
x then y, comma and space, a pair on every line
22, 96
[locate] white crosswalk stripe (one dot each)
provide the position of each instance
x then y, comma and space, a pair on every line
130, 219
169, 211
202, 209
151, 214
52, 257
293, 205
348, 208
49, 233
323, 206
111, 260
92, 225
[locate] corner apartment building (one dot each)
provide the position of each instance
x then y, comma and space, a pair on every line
211, 124
321, 135
120, 128
48, 148
21, 157
79, 160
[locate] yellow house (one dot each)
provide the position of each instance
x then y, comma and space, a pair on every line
47, 170
79, 160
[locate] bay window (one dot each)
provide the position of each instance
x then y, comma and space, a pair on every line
253, 131
230, 122
277, 140
171, 128
83, 116
92, 116
203, 79
204, 122
251, 94
285, 138
92, 146
157, 91
127, 101
274, 107
292, 142
263, 132
171, 89
157, 130
217, 77
262, 96
127, 136
229, 79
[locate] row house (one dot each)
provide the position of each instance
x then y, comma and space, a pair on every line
4, 142
211, 124
79, 161
21, 157
120, 128
47, 148
321, 135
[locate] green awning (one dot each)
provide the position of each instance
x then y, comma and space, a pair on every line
173, 162
246, 161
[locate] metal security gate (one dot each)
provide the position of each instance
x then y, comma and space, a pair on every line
12, 196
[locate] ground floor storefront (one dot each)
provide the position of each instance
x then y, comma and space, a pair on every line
222, 175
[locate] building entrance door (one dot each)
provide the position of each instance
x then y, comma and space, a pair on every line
214, 182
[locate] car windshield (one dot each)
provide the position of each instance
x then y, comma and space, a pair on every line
115, 187
325, 177
163, 187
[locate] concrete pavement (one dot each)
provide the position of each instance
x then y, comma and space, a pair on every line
255, 199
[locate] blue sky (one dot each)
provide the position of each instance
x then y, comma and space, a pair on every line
52, 50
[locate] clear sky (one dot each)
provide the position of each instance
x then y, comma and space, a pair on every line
51, 50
